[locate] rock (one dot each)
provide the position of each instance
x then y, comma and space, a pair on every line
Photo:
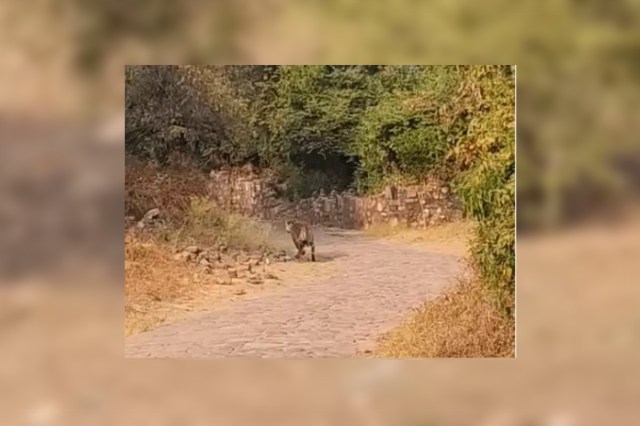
224, 281
240, 292
192, 249
255, 280
151, 215
181, 256
148, 218
445, 190
189, 257
211, 256
388, 192
129, 221
232, 273
204, 262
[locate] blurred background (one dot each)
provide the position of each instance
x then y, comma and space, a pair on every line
61, 215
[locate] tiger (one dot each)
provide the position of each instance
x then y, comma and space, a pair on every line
302, 236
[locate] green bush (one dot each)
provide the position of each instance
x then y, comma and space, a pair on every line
484, 174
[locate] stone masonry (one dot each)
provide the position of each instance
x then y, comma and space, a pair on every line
418, 206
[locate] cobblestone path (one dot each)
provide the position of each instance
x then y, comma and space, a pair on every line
376, 286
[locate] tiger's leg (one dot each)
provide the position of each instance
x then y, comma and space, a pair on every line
299, 246
313, 252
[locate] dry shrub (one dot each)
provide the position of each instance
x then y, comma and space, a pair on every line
463, 323
205, 223
156, 285
169, 189
153, 268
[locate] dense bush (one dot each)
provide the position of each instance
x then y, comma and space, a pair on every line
484, 159
331, 127
396, 138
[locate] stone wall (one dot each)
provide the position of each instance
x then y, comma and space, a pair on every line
243, 191
413, 206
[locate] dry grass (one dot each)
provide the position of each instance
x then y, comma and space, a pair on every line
204, 224
463, 323
451, 238
157, 287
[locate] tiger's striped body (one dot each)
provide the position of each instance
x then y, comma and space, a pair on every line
302, 237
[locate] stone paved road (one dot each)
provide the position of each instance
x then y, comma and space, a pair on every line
376, 285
